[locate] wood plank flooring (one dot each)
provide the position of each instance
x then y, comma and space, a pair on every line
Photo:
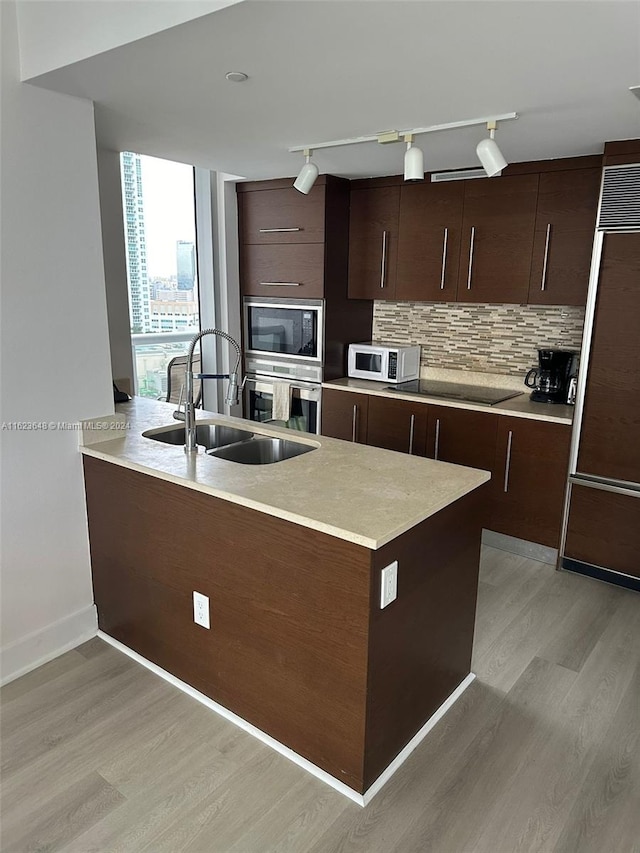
541, 753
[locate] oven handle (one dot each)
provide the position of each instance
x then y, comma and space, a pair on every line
307, 392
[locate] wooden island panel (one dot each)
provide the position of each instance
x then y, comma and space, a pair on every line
298, 645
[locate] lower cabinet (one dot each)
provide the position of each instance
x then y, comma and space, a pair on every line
397, 425
530, 475
462, 436
528, 459
344, 415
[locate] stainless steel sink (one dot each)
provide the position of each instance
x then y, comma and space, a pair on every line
262, 451
207, 435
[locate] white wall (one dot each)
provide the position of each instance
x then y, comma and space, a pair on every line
54, 360
115, 264
54, 33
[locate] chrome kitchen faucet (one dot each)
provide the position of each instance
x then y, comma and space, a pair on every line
231, 398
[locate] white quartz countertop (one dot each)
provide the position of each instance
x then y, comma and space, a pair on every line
517, 407
358, 493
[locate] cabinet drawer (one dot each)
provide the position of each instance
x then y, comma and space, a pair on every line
282, 216
289, 271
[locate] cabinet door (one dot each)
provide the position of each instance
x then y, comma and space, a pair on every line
373, 242
344, 415
532, 459
290, 271
398, 425
462, 437
563, 242
282, 216
604, 530
429, 241
497, 239
610, 434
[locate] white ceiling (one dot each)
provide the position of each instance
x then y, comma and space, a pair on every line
328, 70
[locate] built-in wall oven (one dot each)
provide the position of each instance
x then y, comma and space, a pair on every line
285, 394
283, 349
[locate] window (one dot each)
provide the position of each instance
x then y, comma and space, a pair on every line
162, 267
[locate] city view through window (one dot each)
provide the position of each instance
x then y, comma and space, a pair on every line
159, 223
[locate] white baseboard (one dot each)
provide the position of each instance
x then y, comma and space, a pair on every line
40, 647
360, 799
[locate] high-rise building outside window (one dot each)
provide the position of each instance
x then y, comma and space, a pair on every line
160, 229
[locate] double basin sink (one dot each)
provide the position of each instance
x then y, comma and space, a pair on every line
232, 444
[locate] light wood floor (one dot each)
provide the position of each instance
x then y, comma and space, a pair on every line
540, 754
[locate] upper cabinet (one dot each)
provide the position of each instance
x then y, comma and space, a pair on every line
523, 237
290, 243
373, 242
497, 239
429, 241
565, 225
282, 214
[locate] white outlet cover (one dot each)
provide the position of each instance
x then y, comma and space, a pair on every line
388, 584
201, 609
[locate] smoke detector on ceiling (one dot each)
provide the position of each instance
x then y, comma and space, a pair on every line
236, 76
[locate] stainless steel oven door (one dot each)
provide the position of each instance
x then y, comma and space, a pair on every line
291, 329
304, 403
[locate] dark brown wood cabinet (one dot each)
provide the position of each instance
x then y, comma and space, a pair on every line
610, 432
398, 425
497, 239
291, 270
295, 246
373, 242
429, 241
271, 212
298, 645
344, 414
528, 459
462, 436
603, 530
562, 246
530, 475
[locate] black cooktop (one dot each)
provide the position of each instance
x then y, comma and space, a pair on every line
455, 391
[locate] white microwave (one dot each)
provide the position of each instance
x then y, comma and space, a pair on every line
384, 362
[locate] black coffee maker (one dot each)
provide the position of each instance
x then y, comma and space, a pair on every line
550, 380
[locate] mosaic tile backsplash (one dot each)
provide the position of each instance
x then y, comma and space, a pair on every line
485, 338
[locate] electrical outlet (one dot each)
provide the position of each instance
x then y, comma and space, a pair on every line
389, 584
201, 609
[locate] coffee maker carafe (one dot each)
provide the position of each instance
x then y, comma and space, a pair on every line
550, 380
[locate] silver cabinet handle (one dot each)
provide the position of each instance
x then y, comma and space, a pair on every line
508, 462
279, 283
444, 257
437, 442
354, 422
543, 285
473, 238
277, 230
411, 431
383, 266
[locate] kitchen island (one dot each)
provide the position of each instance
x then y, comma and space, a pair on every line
290, 557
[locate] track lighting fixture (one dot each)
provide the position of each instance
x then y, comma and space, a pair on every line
307, 175
487, 150
413, 161
489, 154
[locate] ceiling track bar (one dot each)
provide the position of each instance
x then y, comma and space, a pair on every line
376, 137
